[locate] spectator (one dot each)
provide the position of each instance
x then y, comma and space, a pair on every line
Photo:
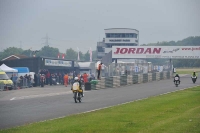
85, 77
66, 78
99, 70
47, 77
35, 80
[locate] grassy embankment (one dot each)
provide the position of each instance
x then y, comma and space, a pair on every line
175, 112
187, 70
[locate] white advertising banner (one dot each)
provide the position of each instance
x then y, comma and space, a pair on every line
49, 62
173, 52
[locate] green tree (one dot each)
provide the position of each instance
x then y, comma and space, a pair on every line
71, 54
87, 56
48, 52
27, 52
94, 55
10, 51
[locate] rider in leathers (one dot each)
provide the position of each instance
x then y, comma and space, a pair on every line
178, 77
77, 80
194, 74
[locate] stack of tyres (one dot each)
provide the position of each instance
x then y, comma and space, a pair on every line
87, 86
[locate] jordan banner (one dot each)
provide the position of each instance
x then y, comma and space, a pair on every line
171, 52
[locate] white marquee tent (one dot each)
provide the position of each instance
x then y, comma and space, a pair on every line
5, 68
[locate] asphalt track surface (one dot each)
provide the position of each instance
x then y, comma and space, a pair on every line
19, 107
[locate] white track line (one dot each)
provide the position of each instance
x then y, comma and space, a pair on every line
41, 95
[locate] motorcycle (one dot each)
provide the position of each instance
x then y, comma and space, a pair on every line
176, 81
77, 92
42, 81
54, 81
194, 78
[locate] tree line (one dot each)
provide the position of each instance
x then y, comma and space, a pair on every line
48, 51
73, 55
190, 41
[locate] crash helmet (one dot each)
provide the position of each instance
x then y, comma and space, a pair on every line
76, 78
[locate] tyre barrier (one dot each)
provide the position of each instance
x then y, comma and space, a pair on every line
168, 75
109, 82
145, 78
135, 79
153, 76
149, 77
123, 80
161, 75
117, 81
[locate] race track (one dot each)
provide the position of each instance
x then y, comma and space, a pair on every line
19, 107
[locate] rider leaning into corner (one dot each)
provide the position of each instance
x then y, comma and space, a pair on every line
76, 79
178, 77
194, 74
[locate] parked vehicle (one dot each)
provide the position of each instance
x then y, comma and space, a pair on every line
5, 82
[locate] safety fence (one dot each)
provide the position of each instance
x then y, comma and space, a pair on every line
20, 84
118, 69
117, 81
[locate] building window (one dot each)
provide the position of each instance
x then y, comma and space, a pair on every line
107, 35
121, 35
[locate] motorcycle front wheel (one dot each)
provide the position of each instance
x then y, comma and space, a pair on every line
79, 97
75, 97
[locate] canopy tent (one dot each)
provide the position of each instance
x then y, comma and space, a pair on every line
5, 68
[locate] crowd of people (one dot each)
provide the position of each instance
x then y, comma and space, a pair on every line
60, 78
22, 81
50, 78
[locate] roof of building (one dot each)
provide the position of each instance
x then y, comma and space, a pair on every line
121, 28
15, 57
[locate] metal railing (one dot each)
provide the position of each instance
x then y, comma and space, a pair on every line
120, 69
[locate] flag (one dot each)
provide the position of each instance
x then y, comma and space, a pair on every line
90, 55
78, 54
63, 56
58, 55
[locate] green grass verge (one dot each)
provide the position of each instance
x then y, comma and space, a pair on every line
187, 70
177, 112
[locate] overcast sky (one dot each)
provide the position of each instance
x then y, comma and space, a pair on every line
81, 23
